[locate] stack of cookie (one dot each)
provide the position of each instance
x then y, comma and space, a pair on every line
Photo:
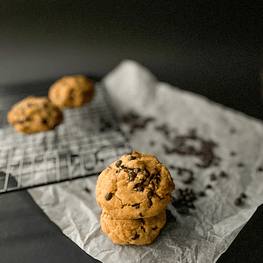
40, 114
133, 193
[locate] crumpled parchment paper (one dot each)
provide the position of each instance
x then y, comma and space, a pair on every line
235, 140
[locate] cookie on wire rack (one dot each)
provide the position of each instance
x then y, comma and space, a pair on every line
34, 114
71, 91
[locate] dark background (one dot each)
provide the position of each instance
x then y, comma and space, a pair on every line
213, 48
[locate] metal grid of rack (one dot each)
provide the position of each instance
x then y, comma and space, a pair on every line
84, 144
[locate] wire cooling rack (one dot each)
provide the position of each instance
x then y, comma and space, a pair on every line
85, 143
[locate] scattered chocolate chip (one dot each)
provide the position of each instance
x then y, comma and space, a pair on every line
184, 198
142, 220
232, 130
44, 121
132, 158
243, 195
154, 228
188, 180
201, 193
137, 206
136, 236
152, 143
118, 163
190, 205
87, 189
164, 129
135, 121
142, 228
137, 170
130, 117
212, 177
204, 152
108, 196
260, 169
172, 167
132, 176
141, 215
223, 174
238, 201
208, 186
118, 171
240, 165
233, 153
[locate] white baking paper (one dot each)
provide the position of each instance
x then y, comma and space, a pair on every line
207, 231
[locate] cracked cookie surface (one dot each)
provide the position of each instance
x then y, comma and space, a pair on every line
34, 114
135, 186
71, 91
132, 231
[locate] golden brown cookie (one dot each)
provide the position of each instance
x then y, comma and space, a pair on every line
71, 91
132, 231
135, 186
34, 114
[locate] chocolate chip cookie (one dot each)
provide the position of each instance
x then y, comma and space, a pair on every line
71, 91
133, 231
135, 186
34, 114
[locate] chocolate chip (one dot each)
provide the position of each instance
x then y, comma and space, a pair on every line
233, 153
150, 203
118, 171
172, 167
260, 169
132, 176
154, 228
212, 177
240, 165
208, 186
223, 174
118, 163
238, 202
201, 193
142, 228
232, 130
137, 206
44, 121
188, 180
132, 158
141, 215
152, 143
137, 170
142, 220
108, 196
87, 189
146, 173
136, 236
138, 188
150, 193
190, 205
243, 195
